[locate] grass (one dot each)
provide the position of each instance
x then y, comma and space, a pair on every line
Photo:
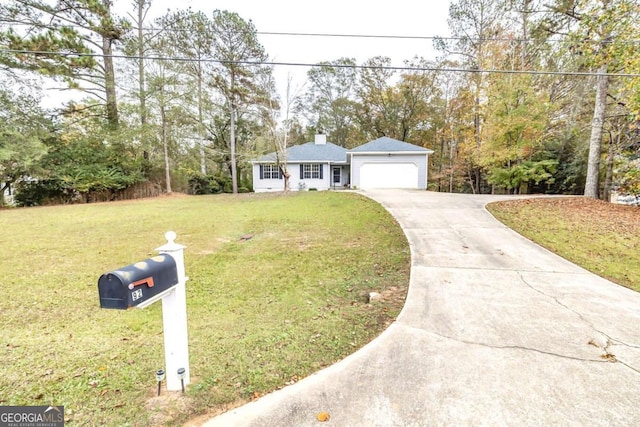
601, 237
263, 312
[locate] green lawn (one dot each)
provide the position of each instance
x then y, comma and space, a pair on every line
262, 313
602, 237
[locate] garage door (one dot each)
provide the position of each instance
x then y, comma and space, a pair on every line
389, 175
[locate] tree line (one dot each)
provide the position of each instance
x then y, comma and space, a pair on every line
525, 96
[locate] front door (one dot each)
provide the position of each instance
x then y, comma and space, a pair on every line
337, 176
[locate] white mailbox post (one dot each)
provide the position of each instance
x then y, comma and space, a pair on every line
145, 282
174, 320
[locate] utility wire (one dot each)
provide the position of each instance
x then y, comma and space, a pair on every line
325, 65
369, 36
380, 36
402, 37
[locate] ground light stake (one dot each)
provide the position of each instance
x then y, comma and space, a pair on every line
159, 377
181, 374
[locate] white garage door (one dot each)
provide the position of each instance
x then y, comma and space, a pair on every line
389, 175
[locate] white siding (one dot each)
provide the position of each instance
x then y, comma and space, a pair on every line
265, 185
318, 184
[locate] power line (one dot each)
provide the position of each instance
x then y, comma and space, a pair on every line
328, 65
379, 36
404, 37
367, 36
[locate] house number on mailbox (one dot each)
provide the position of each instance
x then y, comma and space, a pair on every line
137, 294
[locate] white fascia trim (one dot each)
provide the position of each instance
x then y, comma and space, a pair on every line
310, 161
290, 162
403, 153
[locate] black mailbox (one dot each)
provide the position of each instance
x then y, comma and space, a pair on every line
139, 283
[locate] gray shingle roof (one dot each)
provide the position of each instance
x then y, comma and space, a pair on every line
311, 152
386, 144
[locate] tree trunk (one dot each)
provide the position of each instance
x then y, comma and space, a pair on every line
2, 190
234, 173
476, 112
593, 167
450, 167
141, 80
165, 147
476, 121
478, 177
203, 159
109, 76
470, 173
476, 126
526, 10
441, 163
286, 175
608, 177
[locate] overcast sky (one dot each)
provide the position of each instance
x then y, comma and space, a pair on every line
395, 17
390, 18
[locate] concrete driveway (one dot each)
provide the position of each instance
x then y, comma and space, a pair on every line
495, 331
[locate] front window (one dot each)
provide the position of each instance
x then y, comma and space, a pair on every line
270, 172
311, 171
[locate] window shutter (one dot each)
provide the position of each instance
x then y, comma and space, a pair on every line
280, 173
261, 172
301, 171
321, 169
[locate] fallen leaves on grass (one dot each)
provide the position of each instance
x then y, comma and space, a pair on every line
323, 416
599, 236
294, 379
